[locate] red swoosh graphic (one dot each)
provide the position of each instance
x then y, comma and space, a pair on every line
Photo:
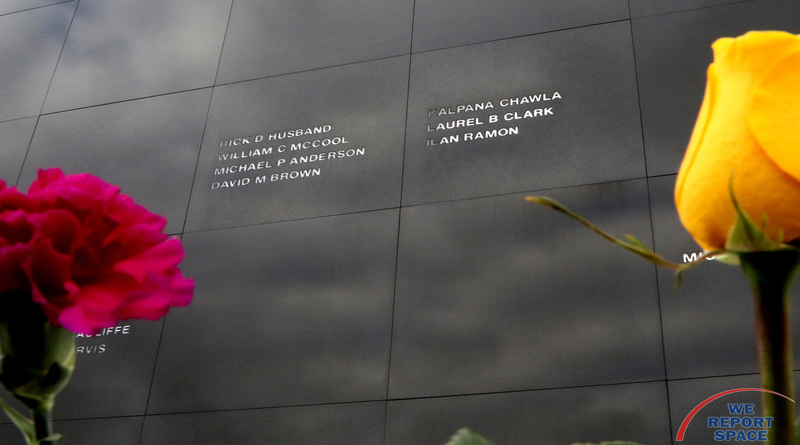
685, 424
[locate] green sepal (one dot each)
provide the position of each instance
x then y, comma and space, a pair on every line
37, 363
466, 437
745, 235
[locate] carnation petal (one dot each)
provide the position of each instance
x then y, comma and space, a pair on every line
160, 258
87, 254
16, 227
48, 269
77, 320
154, 303
61, 227
45, 177
12, 276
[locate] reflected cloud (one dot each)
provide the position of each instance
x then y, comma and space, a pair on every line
364, 102
148, 147
294, 313
495, 294
128, 49
30, 43
285, 36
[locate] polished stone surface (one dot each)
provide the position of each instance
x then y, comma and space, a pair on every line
283, 314
15, 136
641, 8
685, 395
285, 36
496, 294
148, 147
345, 424
673, 52
113, 372
635, 412
359, 111
126, 49
591, 134
446, 23
11, 6
119, 431
30, 43
709, 322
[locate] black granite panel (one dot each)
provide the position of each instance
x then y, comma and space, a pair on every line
673, 52
351, 160
445, 23
709, 322
148, 147
284, 314
685, 395
346, 424
635, 412
641, 8
30, 43
565, 107
126, 49
10, 6
284, 36
113, 372
496, 294
119, 431
15, 136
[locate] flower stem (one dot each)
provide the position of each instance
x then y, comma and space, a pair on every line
770, 274
43, 422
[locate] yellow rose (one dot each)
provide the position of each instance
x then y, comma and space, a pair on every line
748, 128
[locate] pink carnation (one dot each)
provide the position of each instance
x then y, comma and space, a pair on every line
88, 255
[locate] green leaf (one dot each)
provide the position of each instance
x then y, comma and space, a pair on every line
466, 437
24, 424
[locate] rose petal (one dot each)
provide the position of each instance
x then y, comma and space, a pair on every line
774, 114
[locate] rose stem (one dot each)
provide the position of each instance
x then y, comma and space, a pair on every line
770, 274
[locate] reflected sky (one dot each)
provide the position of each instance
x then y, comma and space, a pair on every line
709, 323
284, 314
15, 136
9, 6
641, 8
284, 36
345, 424
593, 134
125, 49
446, 23
685, 395
364, 103
148, 147
635, 412
495, 294
30, 43
673, 52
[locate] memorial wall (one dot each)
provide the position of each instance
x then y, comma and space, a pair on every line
347, 178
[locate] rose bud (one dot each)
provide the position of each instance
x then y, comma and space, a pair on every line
747, 136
